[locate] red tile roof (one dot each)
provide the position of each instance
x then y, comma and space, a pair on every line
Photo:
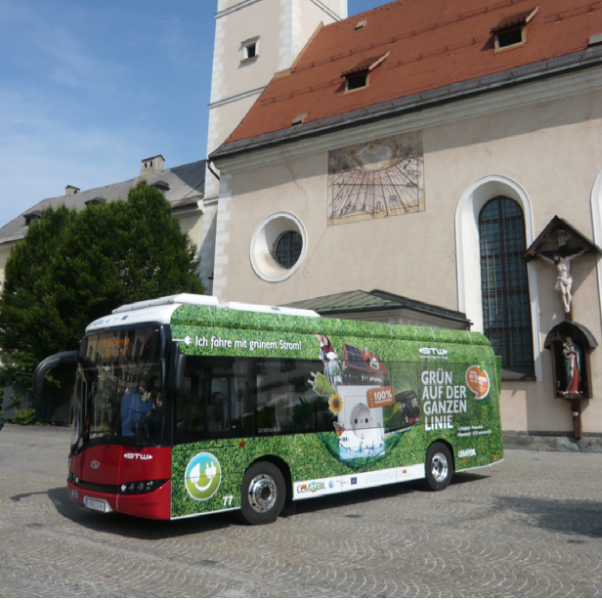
432, 44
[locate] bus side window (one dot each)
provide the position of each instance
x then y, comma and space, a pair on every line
190, 412
242, 407
286, 401
268, 396
218, 405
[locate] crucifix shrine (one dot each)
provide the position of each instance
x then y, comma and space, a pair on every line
559, 244
570, 343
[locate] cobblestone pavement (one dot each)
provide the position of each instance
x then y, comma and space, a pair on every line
530, 526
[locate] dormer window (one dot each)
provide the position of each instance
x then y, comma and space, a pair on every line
161, 185
358, 76
29, 217
250, 49
95, 201
512, 31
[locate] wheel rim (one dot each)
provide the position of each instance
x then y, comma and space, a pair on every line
262, 493
439, 467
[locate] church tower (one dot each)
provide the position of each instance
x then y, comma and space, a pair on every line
254, 39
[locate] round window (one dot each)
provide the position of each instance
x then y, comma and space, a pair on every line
278, 247
288, 249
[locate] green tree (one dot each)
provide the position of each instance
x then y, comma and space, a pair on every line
72, 268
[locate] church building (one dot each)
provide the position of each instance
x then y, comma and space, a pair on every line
436, 162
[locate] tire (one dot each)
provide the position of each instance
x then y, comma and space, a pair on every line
439, 466
263, 494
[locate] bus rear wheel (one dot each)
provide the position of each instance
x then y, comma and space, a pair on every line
263, 494
439, 466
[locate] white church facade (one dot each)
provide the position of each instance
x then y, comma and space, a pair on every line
435, 151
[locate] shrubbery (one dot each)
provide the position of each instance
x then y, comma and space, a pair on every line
72, 268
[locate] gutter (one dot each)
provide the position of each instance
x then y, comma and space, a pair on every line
589, 58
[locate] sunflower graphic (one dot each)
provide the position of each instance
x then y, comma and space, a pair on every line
335, 403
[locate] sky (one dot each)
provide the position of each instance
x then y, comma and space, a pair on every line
88, 89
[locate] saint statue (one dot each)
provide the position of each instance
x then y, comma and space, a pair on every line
564, 281
572, 365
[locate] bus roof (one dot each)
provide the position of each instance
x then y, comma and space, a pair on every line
192, 310
193, 318
160, 310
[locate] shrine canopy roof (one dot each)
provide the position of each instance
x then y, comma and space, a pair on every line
569, 241
567, 328
358, 302
430, 51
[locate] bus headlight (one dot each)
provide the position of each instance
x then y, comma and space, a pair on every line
141, 487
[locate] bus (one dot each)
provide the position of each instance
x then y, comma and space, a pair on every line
184, 406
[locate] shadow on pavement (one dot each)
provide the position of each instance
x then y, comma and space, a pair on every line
354, 497
561, 516
136, 527
20, 497
461, 478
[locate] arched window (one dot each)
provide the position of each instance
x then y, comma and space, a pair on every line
505, 286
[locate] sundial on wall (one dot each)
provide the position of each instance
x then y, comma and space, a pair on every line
378, 179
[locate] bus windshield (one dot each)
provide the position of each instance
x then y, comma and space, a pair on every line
119, 394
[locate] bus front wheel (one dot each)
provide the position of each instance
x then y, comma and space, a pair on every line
439, 466
263, 494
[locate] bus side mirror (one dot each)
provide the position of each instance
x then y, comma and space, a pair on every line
177, 364
49, 363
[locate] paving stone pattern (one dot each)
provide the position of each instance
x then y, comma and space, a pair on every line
530, 526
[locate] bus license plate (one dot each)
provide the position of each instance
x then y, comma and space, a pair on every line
94, 504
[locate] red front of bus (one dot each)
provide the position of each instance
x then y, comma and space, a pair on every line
120, 456
126, 479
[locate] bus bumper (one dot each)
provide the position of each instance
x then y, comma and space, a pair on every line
154, 505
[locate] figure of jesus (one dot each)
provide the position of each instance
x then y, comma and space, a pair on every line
564, 282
